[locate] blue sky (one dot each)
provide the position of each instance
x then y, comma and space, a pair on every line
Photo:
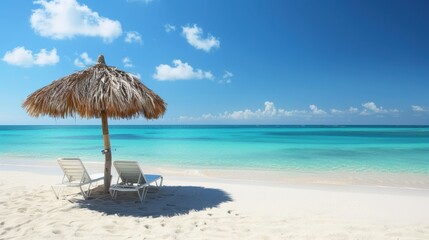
229, 62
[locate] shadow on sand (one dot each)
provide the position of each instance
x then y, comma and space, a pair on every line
167, 201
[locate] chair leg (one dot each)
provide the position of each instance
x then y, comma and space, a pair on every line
59, 192
86, 193
89, 190
145, 189
113, 193
160, 182
142, 194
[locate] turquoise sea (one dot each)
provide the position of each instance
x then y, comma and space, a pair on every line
291, 148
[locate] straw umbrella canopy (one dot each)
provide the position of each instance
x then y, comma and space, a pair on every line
99, 91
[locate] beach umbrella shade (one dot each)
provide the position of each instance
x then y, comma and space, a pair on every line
99, 91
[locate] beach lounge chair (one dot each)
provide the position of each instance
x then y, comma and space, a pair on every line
132, 179
75, 175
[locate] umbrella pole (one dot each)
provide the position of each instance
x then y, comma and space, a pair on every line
107, 152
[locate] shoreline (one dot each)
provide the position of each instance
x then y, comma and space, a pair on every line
339, 179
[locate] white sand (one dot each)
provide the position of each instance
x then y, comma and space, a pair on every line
192, 206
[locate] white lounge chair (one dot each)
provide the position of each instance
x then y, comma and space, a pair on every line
75, 175
132, 179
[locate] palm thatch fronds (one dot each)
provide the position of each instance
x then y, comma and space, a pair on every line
93, 90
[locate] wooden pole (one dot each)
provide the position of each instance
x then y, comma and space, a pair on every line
107, 152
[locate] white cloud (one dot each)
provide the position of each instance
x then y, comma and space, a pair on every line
372, 108
22, 57
169, 28
19, 56
133, 36
180, 71
62, 19
269, 112
416, 108
83, 60
137, 75
353, 110
87, 59
142, 1
225, 81
194, 37
291, 113
228, 74
316, 110
270, 109
226, 78
78, 63
336, 111
127, 62
46, 58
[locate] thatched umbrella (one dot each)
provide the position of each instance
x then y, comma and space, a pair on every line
99, 91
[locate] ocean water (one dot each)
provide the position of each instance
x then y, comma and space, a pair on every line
280, 148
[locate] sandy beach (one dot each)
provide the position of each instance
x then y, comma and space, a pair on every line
193, 205
268, 120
